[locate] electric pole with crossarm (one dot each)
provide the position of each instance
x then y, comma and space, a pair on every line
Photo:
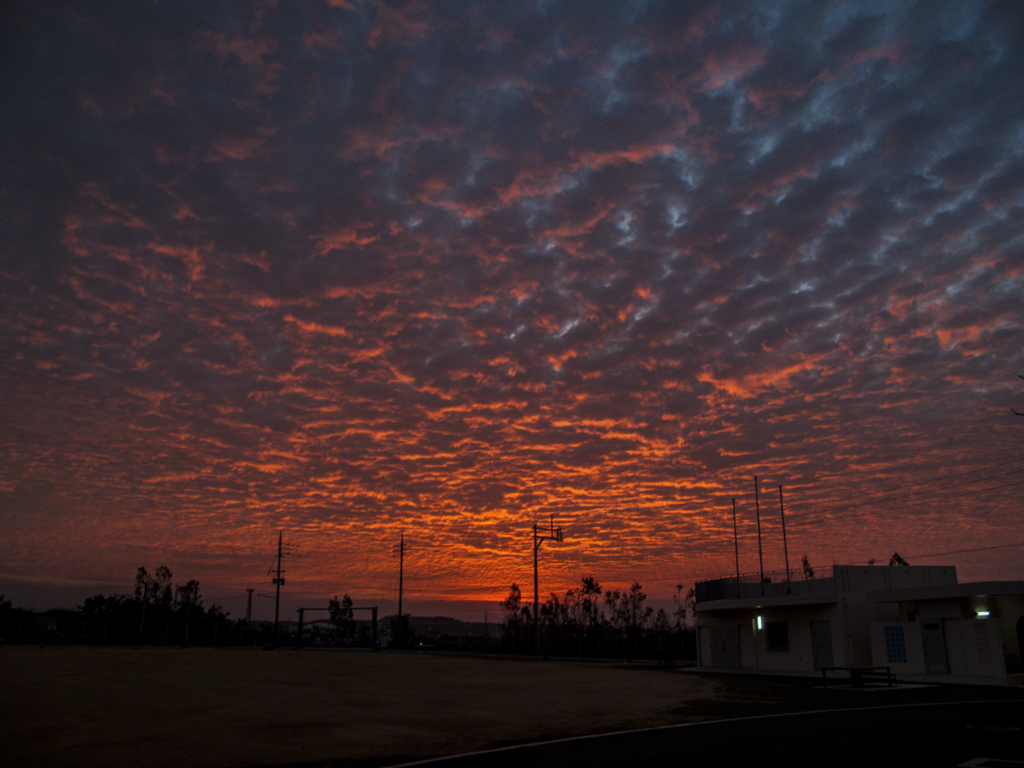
282, 550
278, 581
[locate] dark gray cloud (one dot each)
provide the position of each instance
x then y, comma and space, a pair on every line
338, 268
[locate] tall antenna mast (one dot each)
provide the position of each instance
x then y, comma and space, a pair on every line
760, 555
785, 548
401, 578
736, 543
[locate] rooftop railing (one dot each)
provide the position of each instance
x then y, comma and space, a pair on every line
775, 584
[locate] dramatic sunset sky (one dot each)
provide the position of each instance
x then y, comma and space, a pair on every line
346, 269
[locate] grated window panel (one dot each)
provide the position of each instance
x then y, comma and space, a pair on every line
895, 645
984, 642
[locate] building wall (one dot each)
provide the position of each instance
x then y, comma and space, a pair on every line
972, 648
753, 642
911, 647
852, 579
985, 657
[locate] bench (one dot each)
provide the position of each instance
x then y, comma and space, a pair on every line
861, 676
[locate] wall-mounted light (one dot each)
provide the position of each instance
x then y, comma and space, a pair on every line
983, 614
760, 623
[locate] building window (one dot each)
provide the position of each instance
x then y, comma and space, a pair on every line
984, 643
776, 635
895, 645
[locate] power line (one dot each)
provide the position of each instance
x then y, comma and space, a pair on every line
963, 551
820, 516
936, 479
919, 493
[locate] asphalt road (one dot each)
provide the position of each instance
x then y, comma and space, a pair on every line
920, 735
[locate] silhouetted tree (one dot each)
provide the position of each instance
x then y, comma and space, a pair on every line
6, 611
639, 616
680, 612
186, 597
581, 609
342, 617
897, 560
157, 611
684, 606
661, 623
554, 614
515, 617
808, 571
627, 611
511, 608
156, 589
590, 610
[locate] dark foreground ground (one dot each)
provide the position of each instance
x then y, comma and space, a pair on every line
240, 708
976, 734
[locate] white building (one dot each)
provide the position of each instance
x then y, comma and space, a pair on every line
916, 620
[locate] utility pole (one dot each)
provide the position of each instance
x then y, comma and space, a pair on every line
278, 581
555, 534
248, 606
760, 555
400, 625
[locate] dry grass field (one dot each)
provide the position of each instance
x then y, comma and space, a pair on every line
226, 708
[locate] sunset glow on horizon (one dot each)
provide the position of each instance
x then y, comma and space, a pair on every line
351, 269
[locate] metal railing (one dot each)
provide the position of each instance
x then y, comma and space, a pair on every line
775, 584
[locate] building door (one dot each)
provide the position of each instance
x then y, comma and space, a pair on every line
821, 643
725, 645
934, 648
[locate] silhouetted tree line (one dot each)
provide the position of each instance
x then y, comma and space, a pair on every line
590, 624
157, 612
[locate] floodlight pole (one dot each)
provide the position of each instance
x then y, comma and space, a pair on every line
555, 534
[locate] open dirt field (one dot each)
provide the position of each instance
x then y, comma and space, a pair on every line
105, 707
227, 708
